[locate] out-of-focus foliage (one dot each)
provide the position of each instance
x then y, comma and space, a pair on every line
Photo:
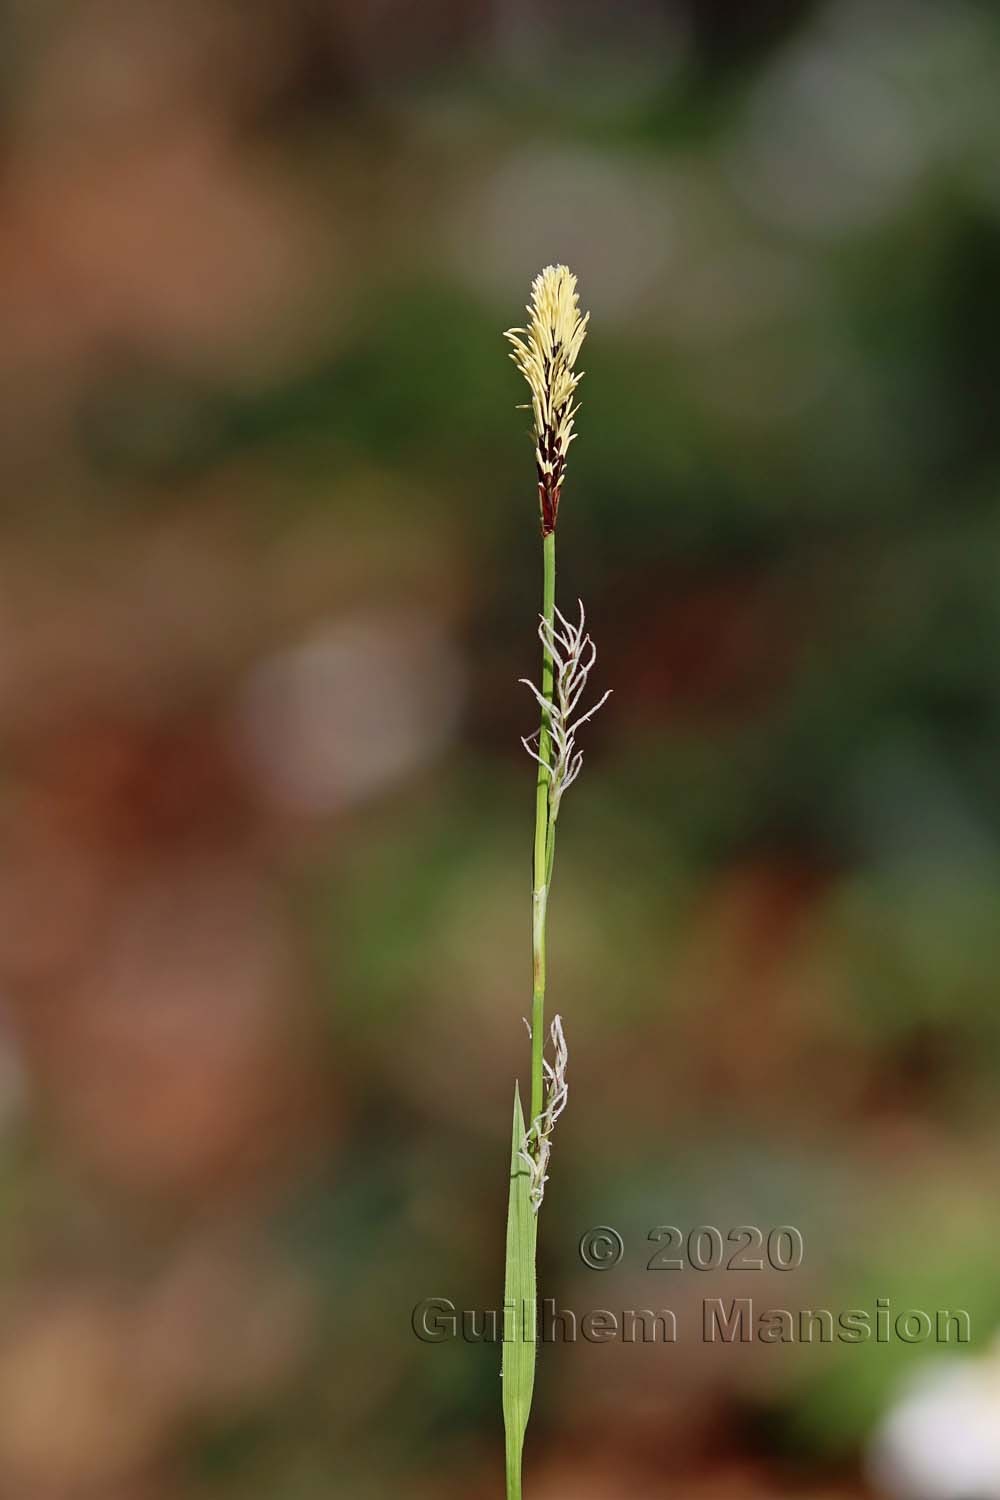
269, 575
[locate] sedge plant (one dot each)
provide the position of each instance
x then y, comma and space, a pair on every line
545, 352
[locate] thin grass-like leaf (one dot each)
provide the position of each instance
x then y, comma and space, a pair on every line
519, 1332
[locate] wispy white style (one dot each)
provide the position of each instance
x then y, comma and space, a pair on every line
573, 655
537, 1147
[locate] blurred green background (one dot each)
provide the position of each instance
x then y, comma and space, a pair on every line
268, 578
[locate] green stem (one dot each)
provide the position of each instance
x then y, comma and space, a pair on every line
519, 1358
544, 843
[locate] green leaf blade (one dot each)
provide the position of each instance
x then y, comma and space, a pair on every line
519, 1310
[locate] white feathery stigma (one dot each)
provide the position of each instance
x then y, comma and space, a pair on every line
537, 1146
573, 655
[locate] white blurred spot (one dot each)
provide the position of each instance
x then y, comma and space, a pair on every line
332, 721
942, 1439
855, 115
614, 222
829, 146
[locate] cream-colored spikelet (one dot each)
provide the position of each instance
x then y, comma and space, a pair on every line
545, 353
